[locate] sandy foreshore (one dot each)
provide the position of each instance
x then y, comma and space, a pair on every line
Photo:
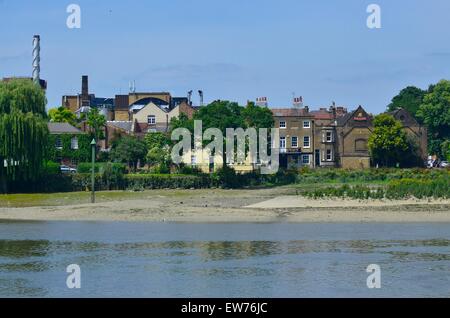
265, 205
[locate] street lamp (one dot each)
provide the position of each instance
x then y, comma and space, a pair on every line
93, 145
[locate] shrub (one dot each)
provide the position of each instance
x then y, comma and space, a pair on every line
164, 181
226, 177
86, 167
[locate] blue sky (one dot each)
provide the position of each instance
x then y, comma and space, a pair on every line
234, 49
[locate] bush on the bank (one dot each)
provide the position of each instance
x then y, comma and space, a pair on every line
99, 167
164, 181
368, 175
438, 187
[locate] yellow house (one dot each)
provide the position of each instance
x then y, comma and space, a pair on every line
152, 117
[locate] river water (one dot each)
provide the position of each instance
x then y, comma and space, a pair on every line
223, 260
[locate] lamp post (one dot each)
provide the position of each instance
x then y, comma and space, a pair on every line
93, 145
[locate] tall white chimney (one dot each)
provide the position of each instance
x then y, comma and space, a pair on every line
36, 58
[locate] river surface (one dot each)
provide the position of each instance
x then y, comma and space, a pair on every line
223, 260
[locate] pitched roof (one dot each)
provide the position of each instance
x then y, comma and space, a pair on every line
62, 128
289, 112
341, 121
123, 125
322, 114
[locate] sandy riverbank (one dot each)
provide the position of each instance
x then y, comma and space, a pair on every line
266, 205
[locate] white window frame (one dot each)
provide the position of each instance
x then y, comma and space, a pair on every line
74, 143
303, 160
330, 139
329, 155
292, 142
151, 122
58, 143
193, 160
306, 124
284, 138
284, 124
308, 144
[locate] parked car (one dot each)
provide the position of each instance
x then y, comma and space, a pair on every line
67, 169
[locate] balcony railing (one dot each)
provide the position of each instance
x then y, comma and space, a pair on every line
290, 150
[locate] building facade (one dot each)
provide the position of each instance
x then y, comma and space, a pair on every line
334, 137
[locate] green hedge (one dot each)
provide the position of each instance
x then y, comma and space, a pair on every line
164, 181
100, 167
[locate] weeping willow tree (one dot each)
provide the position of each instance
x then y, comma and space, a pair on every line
23, 131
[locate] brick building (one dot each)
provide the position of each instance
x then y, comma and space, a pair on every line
334, 137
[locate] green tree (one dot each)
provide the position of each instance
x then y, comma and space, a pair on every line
129, 150
409, 98
158, 145
96, 122
156, 140
388, 143
182, 121
435, 113
23, 131
445, 149
62, 115
257, 117
221, 115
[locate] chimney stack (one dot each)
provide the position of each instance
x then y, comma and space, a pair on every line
189, 94
36, 59
85, 91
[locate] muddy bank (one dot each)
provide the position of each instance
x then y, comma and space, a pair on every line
265, 205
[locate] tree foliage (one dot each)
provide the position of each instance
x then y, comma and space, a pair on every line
435, 113
62, 115
409, 98
129, 150
96, 122
23, 131
388, 143
257, 117
158, 145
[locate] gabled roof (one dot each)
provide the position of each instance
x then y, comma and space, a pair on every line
404, 116
341, 121
62, 128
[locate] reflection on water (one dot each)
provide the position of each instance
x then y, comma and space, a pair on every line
223, 260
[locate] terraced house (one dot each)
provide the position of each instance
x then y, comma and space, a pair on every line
334, 137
